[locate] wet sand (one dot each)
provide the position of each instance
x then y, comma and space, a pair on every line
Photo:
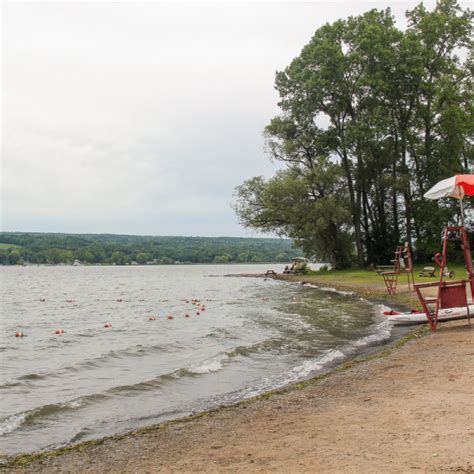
408, 409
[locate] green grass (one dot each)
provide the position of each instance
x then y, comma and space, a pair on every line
370, 284
371, 278
9, 246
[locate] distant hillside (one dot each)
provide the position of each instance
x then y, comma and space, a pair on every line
18, 248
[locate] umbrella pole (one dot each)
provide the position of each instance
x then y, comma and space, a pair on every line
462, 212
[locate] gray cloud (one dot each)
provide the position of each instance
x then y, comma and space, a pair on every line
141, 118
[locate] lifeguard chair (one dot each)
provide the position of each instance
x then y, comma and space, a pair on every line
402, 263
450, 294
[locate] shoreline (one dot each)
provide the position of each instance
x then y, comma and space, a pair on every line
25, 459
169, 435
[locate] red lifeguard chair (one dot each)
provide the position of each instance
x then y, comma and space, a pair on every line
450, 294
402, 263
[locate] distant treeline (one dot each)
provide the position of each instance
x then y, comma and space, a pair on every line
37, 248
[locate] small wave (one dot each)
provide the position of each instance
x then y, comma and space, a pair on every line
31, 377
10, 385
12, 423
95, 362
339, 292
29, 417
264, 345
209, 366
19, 420
137, 387
244, 351
272, 345
328, 289
24, 381
296, 374
314, 365
221, 333
75, 404
383, 332
80, 436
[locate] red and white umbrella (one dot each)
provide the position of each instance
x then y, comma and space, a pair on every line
455, 187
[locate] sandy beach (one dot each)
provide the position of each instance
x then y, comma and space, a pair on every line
407, 408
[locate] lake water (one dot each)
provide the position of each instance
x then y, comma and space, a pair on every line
253, 335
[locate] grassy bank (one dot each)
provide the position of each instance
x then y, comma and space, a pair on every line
370, 284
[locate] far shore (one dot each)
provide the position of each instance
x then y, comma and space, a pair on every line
174, 264
407, 407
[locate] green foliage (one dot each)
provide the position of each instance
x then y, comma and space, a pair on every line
371, 118
142, 258
18, 248
8, 246
306, 207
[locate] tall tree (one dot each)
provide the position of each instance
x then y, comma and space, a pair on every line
391, 110
442, 123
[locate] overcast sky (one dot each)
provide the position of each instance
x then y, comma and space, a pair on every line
141, 118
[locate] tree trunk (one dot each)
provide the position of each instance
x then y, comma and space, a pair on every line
355, 210
406, 189
396, 228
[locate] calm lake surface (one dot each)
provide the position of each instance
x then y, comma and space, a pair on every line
252, 336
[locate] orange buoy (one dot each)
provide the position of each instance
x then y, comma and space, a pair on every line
107, 325
59, 331
151, 318
19, 334
170, 317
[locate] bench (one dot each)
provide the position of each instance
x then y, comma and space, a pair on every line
428, 272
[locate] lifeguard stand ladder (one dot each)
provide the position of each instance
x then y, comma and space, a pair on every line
402, 253
449, 294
